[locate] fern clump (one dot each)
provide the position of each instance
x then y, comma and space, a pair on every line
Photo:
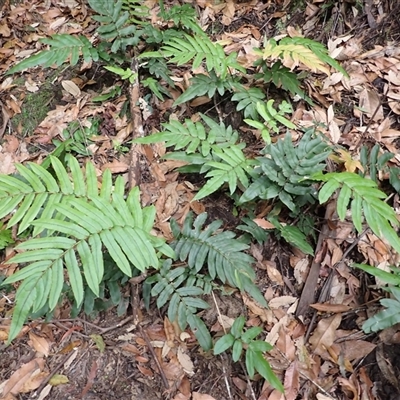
73, 223
285, 171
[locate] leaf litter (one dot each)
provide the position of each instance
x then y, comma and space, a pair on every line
317, 363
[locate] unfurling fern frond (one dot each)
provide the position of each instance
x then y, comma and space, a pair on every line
366, 199
285, 171
219, 252
78, 221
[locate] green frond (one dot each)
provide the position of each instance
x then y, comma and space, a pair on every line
62, 47
286, 169
247, 99
365, 199
220, 253
232, 168
78, 222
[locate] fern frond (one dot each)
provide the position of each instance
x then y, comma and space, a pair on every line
232, 168
221, 253
114, 24
317, 48
180, 288
285, 171
80, 221
198, 48
247, 99
201, 85
62, 48
138, 13
365, 198
193, 137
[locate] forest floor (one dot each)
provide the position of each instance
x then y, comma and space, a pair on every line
111, 357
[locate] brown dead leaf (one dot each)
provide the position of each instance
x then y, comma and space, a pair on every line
116, 166
186, 362
292, 381
285, 344
34, 381
274, 275
356, 349
282, 301
332, 308
40, 344
370, 102
324, 335
263, 223
200, 396
22, 375
71, 87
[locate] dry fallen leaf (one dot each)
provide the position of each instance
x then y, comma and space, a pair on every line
40, 344
186, 362
200, 396
72, 88
22, 375
324, 335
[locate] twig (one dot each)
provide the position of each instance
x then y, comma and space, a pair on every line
102, 330
134, 171
47, 379
253, 395
134, 304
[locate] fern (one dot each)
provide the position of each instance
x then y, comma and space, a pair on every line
390, 316
77, 221
220, 253
138, 13
114, 29
197, 48
201, 85
233, 168
114, 26
183, 16
62, 48
285, 171
366, 199
180, 288
192, 136
297, 50
372, 162
247, 100
271, 118
281, 77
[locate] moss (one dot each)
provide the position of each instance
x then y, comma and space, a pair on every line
34, 109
